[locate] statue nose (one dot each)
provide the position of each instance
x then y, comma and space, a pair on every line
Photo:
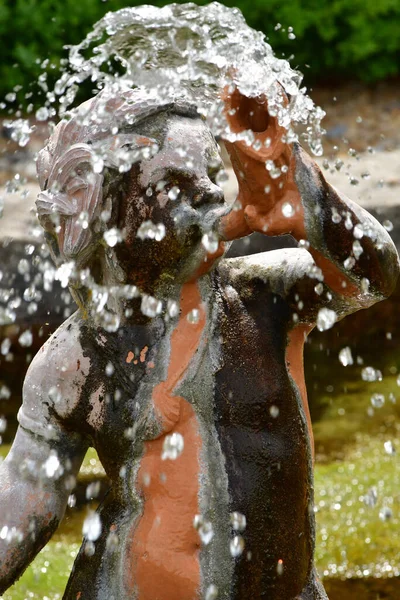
210, 194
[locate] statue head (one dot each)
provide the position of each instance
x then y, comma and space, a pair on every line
128, 189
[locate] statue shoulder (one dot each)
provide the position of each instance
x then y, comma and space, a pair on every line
280, 270
58, 371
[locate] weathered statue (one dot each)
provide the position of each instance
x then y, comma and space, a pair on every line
183, 369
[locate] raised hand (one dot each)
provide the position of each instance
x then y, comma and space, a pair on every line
262, 161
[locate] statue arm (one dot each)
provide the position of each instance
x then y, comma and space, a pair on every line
356, 256
40, 470
33, 497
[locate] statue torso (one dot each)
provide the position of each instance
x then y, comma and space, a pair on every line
245, 439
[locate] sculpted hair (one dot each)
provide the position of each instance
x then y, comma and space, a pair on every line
104, 135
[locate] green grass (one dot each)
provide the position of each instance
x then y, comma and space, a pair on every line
47, 576
352, 540
350, 415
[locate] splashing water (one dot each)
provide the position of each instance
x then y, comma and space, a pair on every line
193, 52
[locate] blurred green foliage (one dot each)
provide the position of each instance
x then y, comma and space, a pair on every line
335, 39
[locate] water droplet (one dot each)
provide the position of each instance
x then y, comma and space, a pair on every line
71, 501
339, 164
113, 237
5, 392
304, 244
109, 369
236, 546
20, 131
279, 567
98, 163
273, 169
89, 548
319, 288
210, 242
25, 339
93, 490
193, 316
7, 316
172, 309
371, 497
345, 356
348, 222
42, 114
160, 185
238, 521
174, 192
23, 266
108, 320
83, 219
32, 308
336, 218
151, 307
385, 514
172, 447
365, 285
92, 526
287, 210
54, 394
52, 466
357, 249
112, 541
349, 263
63, 274
377, 400
326, 319
11, 533
211, 592
388, 225
221, 177
274, 411
371, 374
105, 215
5, 346
358, 231
151, 231
389, 448
205, 529
3, 424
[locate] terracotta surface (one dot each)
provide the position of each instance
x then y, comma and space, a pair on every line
163, 559
295, 364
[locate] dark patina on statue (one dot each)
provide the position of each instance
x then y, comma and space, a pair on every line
206, 354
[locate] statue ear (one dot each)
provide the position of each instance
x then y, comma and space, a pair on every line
72, 195
73, 190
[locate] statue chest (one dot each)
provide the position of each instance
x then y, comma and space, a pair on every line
225, 368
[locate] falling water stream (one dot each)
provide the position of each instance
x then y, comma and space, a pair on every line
192, 52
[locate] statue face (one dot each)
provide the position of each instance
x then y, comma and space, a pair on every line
175, 188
